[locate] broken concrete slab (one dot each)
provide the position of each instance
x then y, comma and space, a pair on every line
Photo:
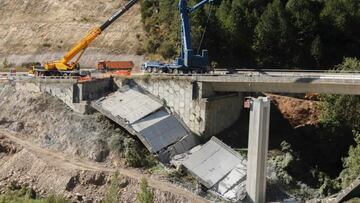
236, 175
160, 129
145, 116
130, 104
219, 168
212, 162
233, 185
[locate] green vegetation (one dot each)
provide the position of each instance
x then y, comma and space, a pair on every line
340, 115
5, 64
355, 200
17, 194
134, 154
351, 164
269, 33
138, 156
112, 195
319, 160
342, 111
146, 195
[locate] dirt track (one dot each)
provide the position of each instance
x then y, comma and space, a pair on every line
68, 162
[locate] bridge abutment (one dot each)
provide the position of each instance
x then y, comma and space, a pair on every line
203, 110
74, 94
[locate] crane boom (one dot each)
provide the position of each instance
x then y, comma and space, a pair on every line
63, 64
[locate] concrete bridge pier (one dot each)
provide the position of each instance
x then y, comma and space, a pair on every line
258, 149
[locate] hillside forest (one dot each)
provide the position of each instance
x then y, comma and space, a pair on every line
291, 34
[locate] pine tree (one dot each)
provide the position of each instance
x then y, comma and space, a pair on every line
273, 37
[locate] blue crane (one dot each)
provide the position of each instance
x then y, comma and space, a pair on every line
188, 60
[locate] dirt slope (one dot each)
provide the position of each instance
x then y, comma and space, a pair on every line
49, 122
49, 172
299, 112
45, 145
45, 29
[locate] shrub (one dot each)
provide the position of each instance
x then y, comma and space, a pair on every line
116, 144
152, 45
19, 194
175, 175
137, 156
112, 195
145, 195
167, 50
351, 163
339, 110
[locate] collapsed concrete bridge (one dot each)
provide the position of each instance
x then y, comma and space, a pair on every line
207, 104
185, 105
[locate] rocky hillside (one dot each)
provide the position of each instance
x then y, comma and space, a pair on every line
52, 150
45, 29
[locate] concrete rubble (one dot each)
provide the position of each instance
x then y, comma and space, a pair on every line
214, 164
146, 117
218, 168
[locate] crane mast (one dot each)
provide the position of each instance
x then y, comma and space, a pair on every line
188, 61
187, 57
65, 64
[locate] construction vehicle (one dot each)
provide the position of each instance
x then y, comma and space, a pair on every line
67, 67
106, 66
188, 61
122, 68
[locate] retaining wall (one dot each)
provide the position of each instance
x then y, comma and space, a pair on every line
75, 95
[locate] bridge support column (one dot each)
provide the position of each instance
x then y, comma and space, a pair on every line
257, 149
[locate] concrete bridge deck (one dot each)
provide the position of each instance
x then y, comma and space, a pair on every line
285, 82
278, 82
275, 81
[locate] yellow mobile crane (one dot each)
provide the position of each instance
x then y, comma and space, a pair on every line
65, 67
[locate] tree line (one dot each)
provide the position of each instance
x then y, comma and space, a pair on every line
291, 34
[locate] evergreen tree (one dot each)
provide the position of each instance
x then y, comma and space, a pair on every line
341, 30
273, 37
272, 33
304, 19
342, 110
